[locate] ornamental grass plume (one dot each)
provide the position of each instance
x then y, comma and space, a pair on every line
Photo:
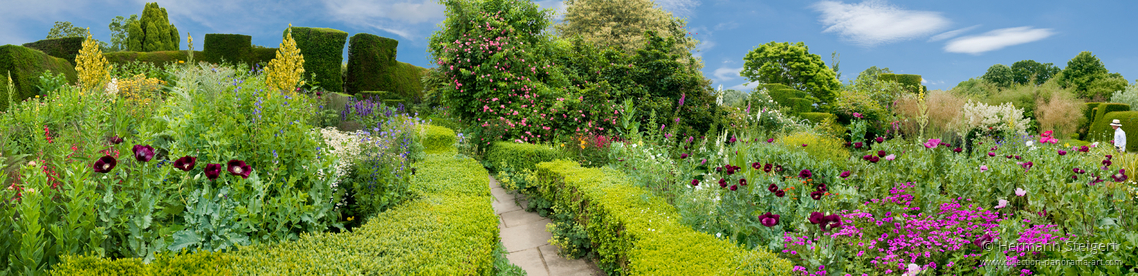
284, 72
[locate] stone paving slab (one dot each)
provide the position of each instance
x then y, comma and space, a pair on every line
525, 237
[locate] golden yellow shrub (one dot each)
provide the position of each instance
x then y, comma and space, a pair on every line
91, 66
284, 72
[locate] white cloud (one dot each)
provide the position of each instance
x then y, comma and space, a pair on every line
704, 45
395, 17
557, 5
744, 86
678, 8
874, 22
726, 26
726, 73
996, 39
950, 34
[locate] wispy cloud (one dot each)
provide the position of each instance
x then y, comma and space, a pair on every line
726, 73
744, 86
557, 5
399, 18
726, 26
875, 22
679, 8
951, 34
996, 39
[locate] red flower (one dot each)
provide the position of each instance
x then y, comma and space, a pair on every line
105, 164
880, 139
722, 183
756, 165
143, 153
185, 163
694, 182
773, 187
767, 168
239, 168
733, 187
857, 145
881, 153
816, 218
817, 195
742, 182
845, 174
768, 219
779, 193
212, 171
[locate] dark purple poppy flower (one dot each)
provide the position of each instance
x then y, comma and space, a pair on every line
1026, 165
804, 145
1019, 157
880, 139
1076, 170
722, 183
768, 219
105, 164
1106, 162
742, 182
114, 140
1096, 181
756, 166
805, 174
239, 168
994, 148
732, 140
957, 150
212, 171
874, 159
816, 218
1074, 177
1109, 157
729, 169
777, 168
1120, 176
881, 153
143, 153
983, 241
831, 221
718, 169
771, 140
185, 163
845, 174
779, 193
866, 157
733, 187
857, 145
822, 188
694, 182
773, 187
1084, 149
991, 154
1062, 152
767, 167
683, 156
817, 195
1009, 156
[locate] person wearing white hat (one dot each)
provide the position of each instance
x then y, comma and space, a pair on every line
1119, 135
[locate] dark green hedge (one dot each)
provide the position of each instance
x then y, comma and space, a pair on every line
65, 48
782, 94
911, 82
1106, 108
799, 105
1089, 114
261, 55
228, 47
157, 58
371, 63
26, 65
323, 51
636, 233
1102, 132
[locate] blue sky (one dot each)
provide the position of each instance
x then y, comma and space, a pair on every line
944, 41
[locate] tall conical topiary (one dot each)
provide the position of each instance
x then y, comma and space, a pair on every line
284, 72
153, 31
91, 65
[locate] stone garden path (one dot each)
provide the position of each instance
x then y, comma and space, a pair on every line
527, 241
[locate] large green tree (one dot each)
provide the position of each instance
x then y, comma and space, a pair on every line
999, 74
153, 31
1081, 71
1025, 71
120, 30
63, 29
792, 65
622, 23
870, 74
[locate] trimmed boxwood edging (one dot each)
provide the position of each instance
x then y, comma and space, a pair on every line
438, 139
518, 156
635, 233
451, 229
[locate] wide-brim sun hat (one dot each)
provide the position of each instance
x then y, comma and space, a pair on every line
1116, 122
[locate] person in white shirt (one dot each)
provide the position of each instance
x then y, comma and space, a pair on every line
1119, 135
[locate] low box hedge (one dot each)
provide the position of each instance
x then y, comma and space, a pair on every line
438, 139
451, 229
519, 156
635, 233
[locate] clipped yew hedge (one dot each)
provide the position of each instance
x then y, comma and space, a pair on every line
1103, 133
65, 48
636, 233
323, 51
438, 139
519, 156
228, 47
25, 66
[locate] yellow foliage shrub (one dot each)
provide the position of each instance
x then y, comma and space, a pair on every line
284, 72
91, 65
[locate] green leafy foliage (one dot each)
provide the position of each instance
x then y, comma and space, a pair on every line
323, 51
50, 82
438, 139
792, 65
910, 82
371, 64
227, 47
519, 156
25, 66
999, 74
1082, 73
1031, 71
120, 31
63, 29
